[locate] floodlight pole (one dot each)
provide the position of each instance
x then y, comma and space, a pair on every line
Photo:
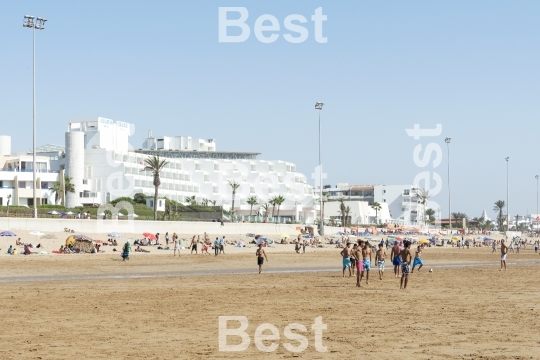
40, 25
447, 141
507, 202
318, 106
536, 201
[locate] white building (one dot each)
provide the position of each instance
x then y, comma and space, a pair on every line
400, 203
16, 177
104, 166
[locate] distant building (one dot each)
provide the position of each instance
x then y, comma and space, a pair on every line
400, 203
103, 166
16, 177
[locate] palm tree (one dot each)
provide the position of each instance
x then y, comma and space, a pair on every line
154, 165
347, 215
272, 202
57, 191
423, 196
234, 186
279, 200
266, 208
430, 215
252, 200
191, 200
213, 202
204, 202
377, 207
499, 206
342, 209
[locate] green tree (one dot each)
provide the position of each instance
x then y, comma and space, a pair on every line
430, 215
342, 210
272, 202
499, 208
191, 200
154, 165
279, 200
139, 198
266, 209
423, 196
234, 186
252, 201
377, 207
204, 202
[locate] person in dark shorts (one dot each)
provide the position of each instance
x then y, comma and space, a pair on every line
261, 255
353, 259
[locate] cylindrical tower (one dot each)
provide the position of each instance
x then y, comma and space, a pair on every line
5, 146
74, 165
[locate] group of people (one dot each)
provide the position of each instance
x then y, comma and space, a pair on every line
360, 255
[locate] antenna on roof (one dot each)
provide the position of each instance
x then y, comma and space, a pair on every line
149, 134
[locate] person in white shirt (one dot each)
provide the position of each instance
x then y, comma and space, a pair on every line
222, 245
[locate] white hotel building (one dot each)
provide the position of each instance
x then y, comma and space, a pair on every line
104, 166
16, 177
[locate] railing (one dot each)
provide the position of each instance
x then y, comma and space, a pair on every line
30, 170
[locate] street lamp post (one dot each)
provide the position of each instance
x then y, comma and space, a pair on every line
447, 141
536, 202
40, 25
507, 191
318, 106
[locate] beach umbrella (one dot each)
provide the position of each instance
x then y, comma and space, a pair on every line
423, 241
7, 233
49, 236
53, 212
399, 238
284, 235
36, 233
133, 215
149, 236
115, 235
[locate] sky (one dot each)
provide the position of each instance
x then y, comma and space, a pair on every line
470, 66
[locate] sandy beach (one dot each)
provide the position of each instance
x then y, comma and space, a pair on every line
459, 311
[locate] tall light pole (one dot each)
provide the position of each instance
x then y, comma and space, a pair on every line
536, 218
318, 106
40, 25
507, 202
447, 141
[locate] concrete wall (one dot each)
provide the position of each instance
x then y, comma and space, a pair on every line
139, 226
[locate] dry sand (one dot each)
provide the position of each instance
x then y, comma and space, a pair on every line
452, 313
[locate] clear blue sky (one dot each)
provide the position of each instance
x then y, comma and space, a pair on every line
472, 66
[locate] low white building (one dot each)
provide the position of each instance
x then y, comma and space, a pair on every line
16, 177
104, 166
400, 201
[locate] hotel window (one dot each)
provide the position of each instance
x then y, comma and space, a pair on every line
383, 200
384, 191
206, 177
22, 184
197, 166
216, 166
288, 190
215, 189
280, 178
406, 192
235, 167
187, 177
252, 189
270, 190
44, 185
253, 167
270, 167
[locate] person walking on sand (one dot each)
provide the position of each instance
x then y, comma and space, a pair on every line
406, 264
395, 254
380, 255
261, 255
418, 259
125, 251
222, 245
366, 259
359, 263
176, 248
345, 254
193, 245
353, 259
216, 246
167, 238
504, 251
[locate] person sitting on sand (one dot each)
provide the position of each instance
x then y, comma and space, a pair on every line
27, 250
10, 250
138, 249
19, 242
